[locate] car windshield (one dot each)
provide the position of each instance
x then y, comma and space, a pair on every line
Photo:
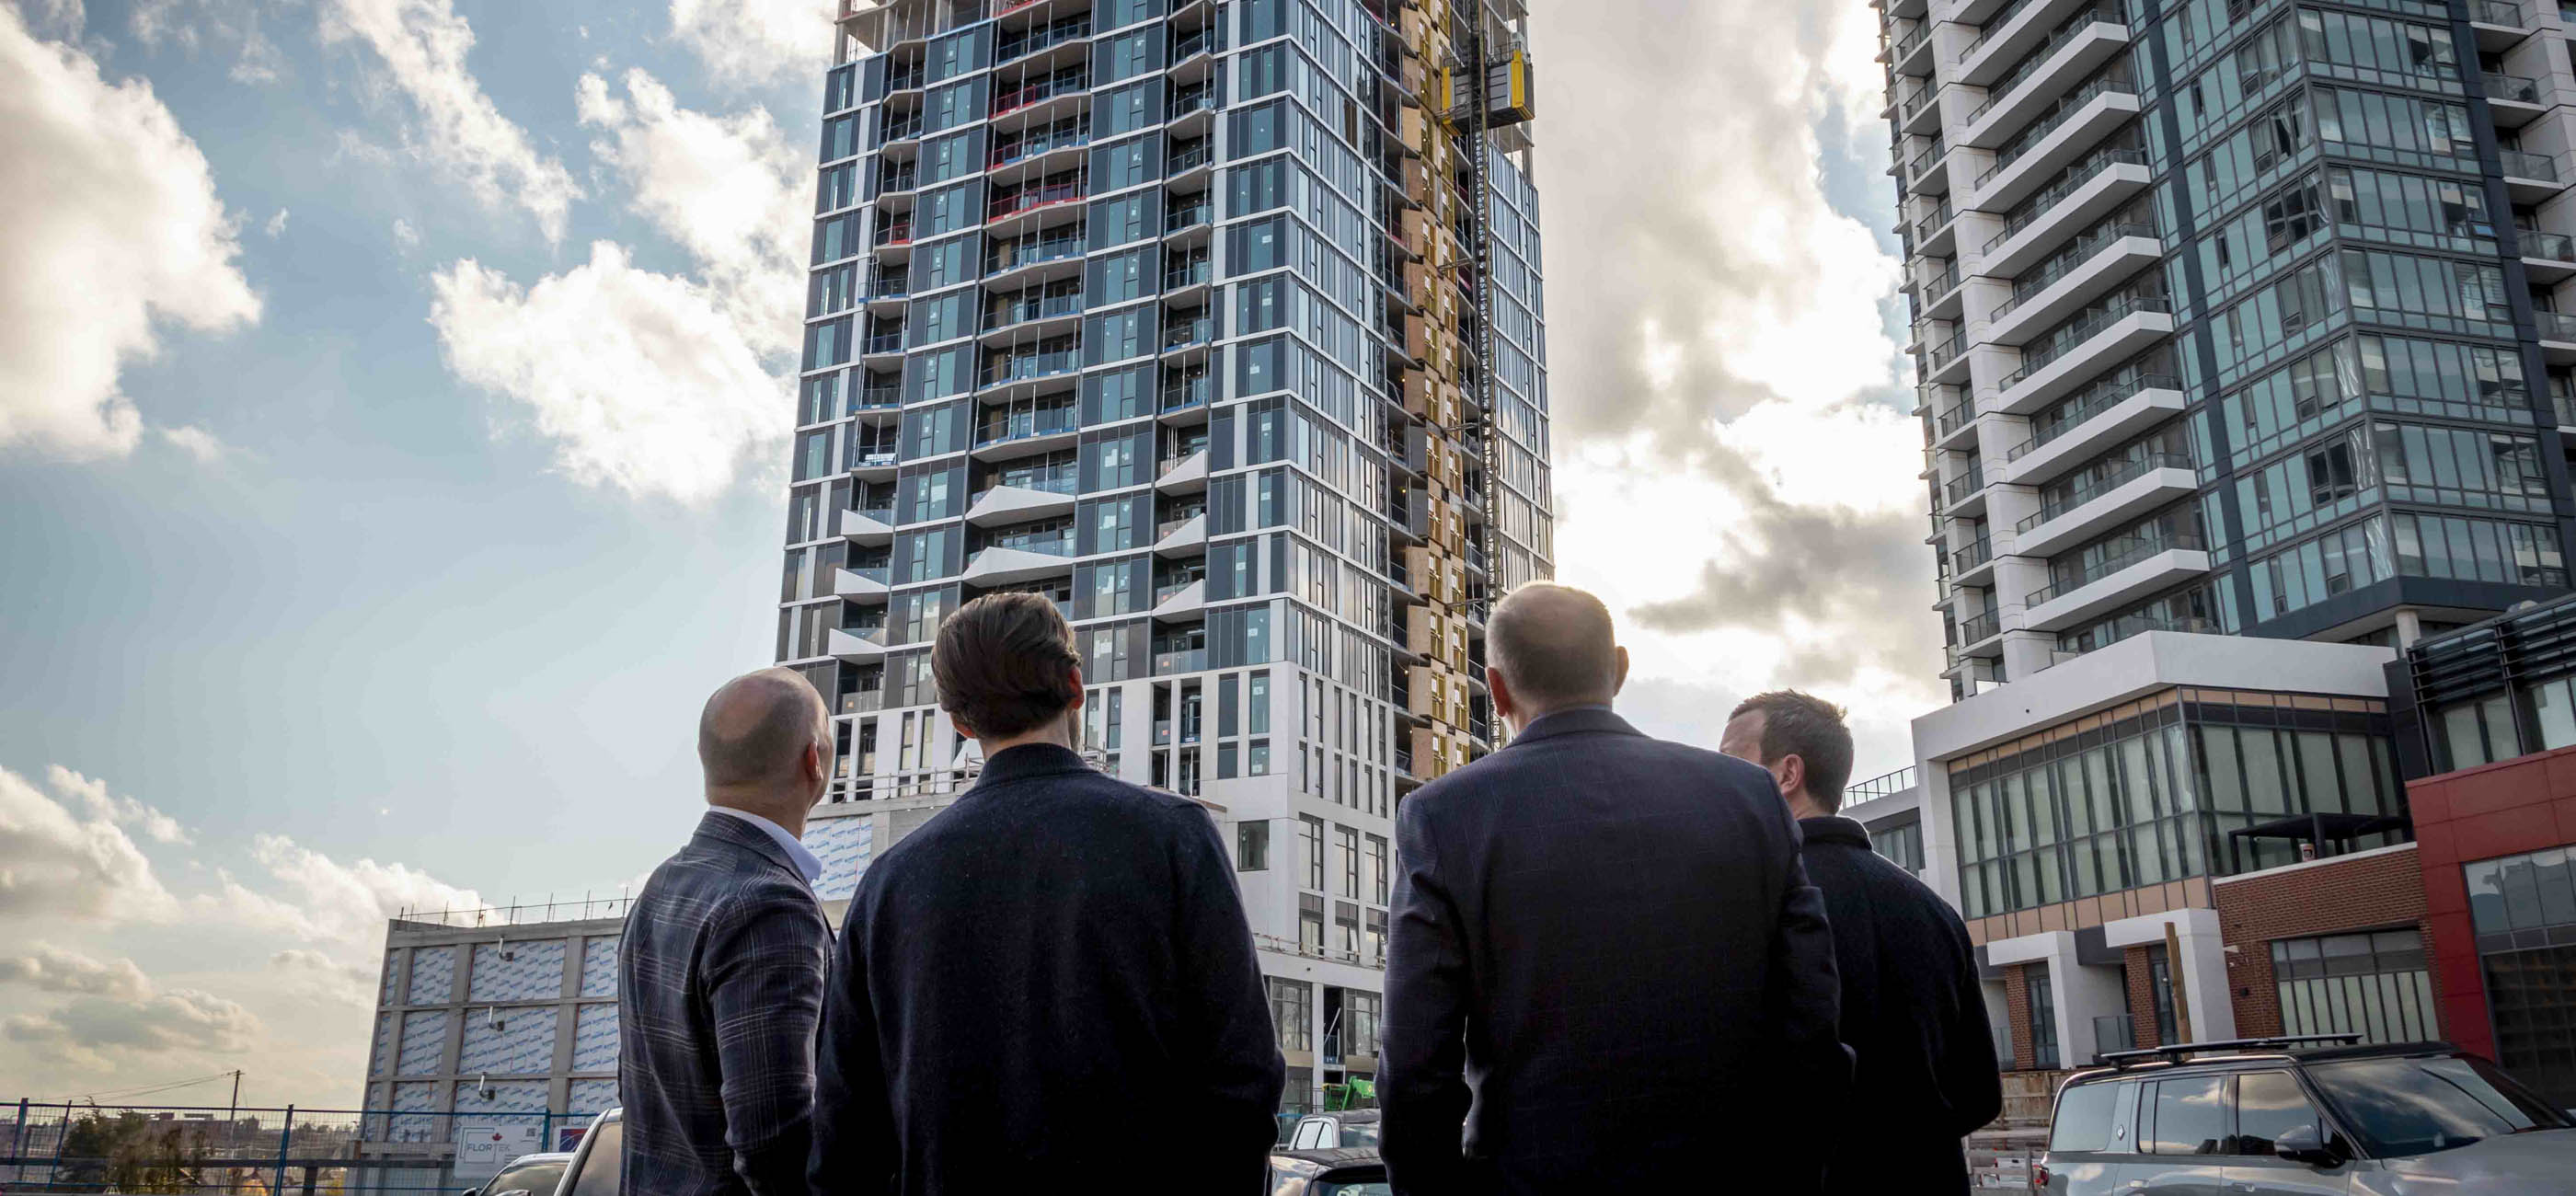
603, 1161
2414, 1106
1359, 1133
536, 1179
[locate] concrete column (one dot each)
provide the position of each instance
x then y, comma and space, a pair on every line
2200, 967
2080, 992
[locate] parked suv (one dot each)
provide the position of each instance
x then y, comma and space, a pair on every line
2309, 1116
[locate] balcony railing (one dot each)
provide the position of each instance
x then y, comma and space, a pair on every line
2078, 23
1182, 334
2092, 401
1916, 99
876, 397
1972, 556
1905, 45
2052, 506
1189, 214
1960, 487
2555, 325
1039, 91
1184, 274
2556, 247
1189, 158
1026, 425
1933, 221
1040, 38
2521, 165
2039, 131
1021, 311
1027, 198
1189, 660
883, 342
1922, 163
1030, 251
2512, 88
2498, 12
1944, 282
1958, 416
2066, 261
1181, 396
2121, 554
1047, 479
2073, 338
1025, 366
2076, 176
1994, 24
1980, 627
1948, 351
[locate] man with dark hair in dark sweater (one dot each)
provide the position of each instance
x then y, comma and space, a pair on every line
1055, 944
1924, 1056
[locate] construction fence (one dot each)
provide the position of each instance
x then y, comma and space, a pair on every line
220, 1151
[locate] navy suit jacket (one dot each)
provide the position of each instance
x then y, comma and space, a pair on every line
720, 983
1048, 987
1609, 973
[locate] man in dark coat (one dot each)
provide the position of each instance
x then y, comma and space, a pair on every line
720, 971
1605, 947
1911, 1009
1055, 956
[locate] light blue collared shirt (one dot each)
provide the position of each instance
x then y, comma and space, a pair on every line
806, 861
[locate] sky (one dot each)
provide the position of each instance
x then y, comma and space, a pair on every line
393, 411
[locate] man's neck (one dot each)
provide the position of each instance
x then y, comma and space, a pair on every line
1523, 720
1052, 737
1802, 807
789, 816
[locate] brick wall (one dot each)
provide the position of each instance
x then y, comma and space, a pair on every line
2376, 891
2142, 996
2017, 1011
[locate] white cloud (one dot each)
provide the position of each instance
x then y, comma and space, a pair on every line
276, 226
275, 967
48, 968
57, 864
114, 229
1734, 470
644, 381
729, 189
656, 384
405, 235
756, 41
107, 807
423, 46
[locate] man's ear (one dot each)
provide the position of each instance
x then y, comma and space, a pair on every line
1506, 703
1621, 681
1793, 772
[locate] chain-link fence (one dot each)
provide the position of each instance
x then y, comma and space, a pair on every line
219, 1151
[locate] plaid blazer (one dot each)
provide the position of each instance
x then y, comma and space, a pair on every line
720, 982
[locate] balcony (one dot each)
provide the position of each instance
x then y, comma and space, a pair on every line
1923, 171
2055, 143
2515, 100
1955, 420
2007, 37
1001, 566
1972, 561
1181, 602
2117, 333
1947, 364
2085, 193
883, 344
1026, 367
1188, 334
2529, 178
2093, 266
1912, 54
1040, 498
1018, 311
857, 646
870, 461
1182, 537
2073, 54
860, 584
1934, 233
1977, 634
2142, 568
2125, 494
2546, 257
1965, 495
1180, 660
2557, 336
2499, 24
1181, 218
2111, 413
1940, 298
1919, 112
872, 526
1030, 199
1182, 474
1025, 433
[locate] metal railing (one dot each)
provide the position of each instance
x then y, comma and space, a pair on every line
1880, 786
587, 909
2127, 551
2092, 401
1933, 221
1979, 627
2039, 130
1959, 416
1960, 487
1949, 351
1972, 556
2078, 334
2555, 325
2065, 261
2075, 24
1994, 25
1922, 163
2055, 193
2498, 12
2051, 508
218, 1150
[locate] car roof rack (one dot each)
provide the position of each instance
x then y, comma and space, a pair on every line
2174, 1053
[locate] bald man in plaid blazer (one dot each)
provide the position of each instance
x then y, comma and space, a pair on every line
721, 968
